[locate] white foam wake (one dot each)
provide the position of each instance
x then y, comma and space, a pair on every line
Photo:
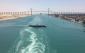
30, 43
31, 40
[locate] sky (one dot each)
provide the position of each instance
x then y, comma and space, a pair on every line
54, 5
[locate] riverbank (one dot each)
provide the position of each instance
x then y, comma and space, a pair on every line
78, 18
9, 17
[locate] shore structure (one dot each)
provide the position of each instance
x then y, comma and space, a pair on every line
74, 17
70, 16
13, 15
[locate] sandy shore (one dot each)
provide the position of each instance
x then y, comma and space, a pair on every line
9, 17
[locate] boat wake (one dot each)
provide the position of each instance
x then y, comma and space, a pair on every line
31, 41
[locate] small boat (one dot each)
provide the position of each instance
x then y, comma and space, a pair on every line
38, 26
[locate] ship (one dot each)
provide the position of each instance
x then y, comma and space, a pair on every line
38, 26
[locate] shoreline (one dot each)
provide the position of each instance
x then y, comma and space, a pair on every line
10, 17
77, 18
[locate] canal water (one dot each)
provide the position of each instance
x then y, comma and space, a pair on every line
59, 36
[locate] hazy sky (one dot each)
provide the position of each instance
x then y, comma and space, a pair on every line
57, 5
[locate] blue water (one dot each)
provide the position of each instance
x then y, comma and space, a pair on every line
60, 36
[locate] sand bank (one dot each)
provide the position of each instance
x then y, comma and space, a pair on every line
9, 17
